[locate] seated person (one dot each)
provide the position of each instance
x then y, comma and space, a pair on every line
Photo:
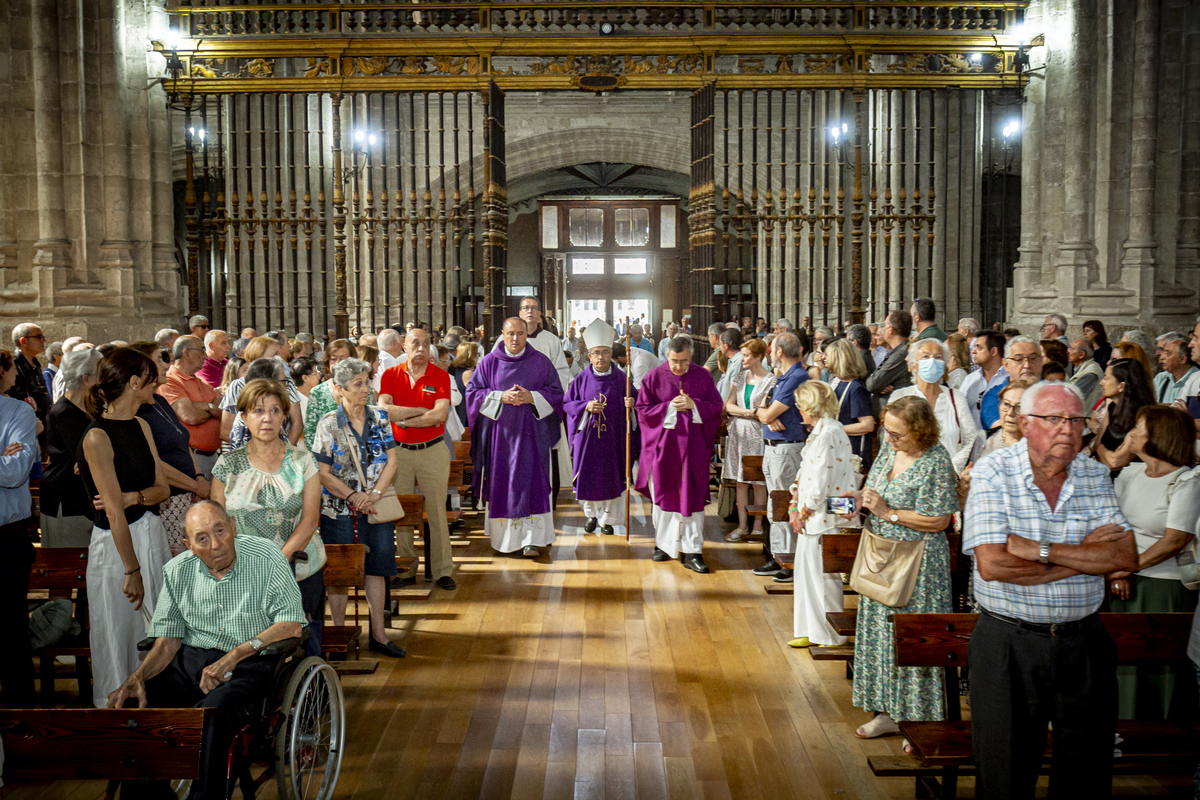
204, 659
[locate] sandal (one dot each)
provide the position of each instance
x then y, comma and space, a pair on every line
736, 535
908, 748
881, 725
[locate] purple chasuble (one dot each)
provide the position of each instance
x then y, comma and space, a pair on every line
678, 457
511, 453
598, 451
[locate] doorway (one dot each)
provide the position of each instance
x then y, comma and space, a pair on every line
582, 311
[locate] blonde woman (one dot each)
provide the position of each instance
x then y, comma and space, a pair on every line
855, 412
825, 471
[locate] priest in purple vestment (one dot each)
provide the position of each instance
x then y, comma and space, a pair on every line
514, 404
679, 411
595, 408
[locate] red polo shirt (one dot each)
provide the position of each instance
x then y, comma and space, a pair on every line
434, 385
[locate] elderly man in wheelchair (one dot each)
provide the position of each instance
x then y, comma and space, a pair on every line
227, 624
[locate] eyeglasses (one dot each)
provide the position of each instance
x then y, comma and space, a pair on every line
1024, 359
1010, 406
205, 327
41, 336
1054, 421
893, 436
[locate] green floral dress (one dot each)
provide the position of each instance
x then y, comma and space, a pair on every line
928, 487
320, 403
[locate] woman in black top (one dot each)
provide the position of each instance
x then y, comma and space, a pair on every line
172, 440
1126, 388
66, 506
128, 547
461, 369
1097, 337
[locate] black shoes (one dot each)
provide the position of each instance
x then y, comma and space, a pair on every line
783, 576
590, 525
770, 568
389, 648
530, 552
660, 555
446, 582
607, 530
695, 562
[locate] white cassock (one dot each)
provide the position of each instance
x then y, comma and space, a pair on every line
674, 531
510, 535
640, 362
826, 470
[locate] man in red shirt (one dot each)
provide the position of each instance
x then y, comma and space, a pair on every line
416, 395
194, 402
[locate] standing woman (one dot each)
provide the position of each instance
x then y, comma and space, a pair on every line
271, 490
355, 428
66, 505
1126, 389
321, 399
1161, 499
747, 391
825, 471
855, 412
171, 439
909, 495
1097, 337
927, 362
128, 545
958, 364
461, 370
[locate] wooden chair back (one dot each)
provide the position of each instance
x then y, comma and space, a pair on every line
414, 510
752, 468
456, 474
100, 744
59, 568
462, 451
780, 500
345, 565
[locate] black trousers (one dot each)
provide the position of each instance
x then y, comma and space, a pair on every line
1022, 680
178, 686
16, 667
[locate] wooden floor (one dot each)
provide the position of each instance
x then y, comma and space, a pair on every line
596, 673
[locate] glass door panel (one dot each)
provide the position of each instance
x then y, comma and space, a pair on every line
584, 311
637, 309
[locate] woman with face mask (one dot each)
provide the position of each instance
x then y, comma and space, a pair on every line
927, 362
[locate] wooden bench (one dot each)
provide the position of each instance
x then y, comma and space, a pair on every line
62, 572
462, 452
105, 744
752, 471
942, 640
344, 569
455, 482
415, 518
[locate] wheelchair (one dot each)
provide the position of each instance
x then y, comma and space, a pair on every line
298, 729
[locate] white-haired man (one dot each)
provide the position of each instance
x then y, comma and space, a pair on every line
166, 337
1055, 327
216, 356
391, 353
199, 326
672, 332
30, 386
637, 339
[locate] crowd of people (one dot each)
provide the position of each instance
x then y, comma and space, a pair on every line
1067, 465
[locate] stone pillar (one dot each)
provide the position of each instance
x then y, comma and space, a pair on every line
8, 155
52, 257
1075, 256
116, 250
1138, 263
1187, 251
1027, 272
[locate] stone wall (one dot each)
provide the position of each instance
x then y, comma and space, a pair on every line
1111, 174
85, 232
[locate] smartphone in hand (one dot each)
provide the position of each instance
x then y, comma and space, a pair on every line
840, 505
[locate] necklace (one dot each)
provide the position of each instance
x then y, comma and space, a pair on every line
172, 420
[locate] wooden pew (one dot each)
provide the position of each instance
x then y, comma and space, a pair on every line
752, 471
344, 569
462, 452
942, 640
62, 571
415, 518
105, 744
456, 483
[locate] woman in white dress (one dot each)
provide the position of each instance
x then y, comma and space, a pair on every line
826, 471
748, 389
927, 360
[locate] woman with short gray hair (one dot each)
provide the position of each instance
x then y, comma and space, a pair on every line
66, 508
927, 359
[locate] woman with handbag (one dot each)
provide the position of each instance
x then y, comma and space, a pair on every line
927, 361
1160, 496
270, 489
903, 564
854, 401
827, 470
356, 456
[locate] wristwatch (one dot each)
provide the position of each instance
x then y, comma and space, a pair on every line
257, 644
1044, 552
402, 425
894, 517
141, 499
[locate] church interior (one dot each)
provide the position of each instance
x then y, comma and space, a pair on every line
338, 168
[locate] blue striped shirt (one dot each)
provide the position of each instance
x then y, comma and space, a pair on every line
1004, 500
17, 425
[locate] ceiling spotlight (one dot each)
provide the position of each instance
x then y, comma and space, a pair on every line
371, 139
607, 28
1018, 33
1012, 128
359, 136
171, 39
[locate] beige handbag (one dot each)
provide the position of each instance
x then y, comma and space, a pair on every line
885, 570
387, 507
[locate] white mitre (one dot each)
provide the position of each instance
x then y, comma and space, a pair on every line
599, 334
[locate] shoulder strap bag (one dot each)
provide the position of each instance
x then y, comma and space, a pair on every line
885, 570
387, 507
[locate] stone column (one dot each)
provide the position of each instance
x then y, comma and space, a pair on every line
52, 257
116, 250
1140, 248
1187, 251
8, 155
1075, 257
1027, 272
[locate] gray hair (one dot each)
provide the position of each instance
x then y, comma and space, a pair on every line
682, 344
716, 329
54, 349
1019, 340
1171, 336
347, 369
77, 365
635, 329
181, 344
307, 338
1141, 339
239, 347
859, 334
388, 339
212, 335
1085, 346
825, 331
269, 368
672, 327
71, 342
23, 330
788, 345
785, 323
210, 504
1031, 394
1059, 321
914, 350
971, 324
199, 319
166, 337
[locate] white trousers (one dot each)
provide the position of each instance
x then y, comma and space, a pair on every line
814, 594
780, 465
674, 531
116, 626
510, 535
608, 512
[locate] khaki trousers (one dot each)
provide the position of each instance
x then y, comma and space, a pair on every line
429, 471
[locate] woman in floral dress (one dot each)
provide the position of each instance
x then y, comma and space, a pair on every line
910, 493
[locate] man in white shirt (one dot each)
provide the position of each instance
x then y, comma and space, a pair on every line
672, 332
638, 362
570, 342
1087, 375
391, 354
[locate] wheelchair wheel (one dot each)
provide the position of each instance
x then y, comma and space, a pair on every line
308, 744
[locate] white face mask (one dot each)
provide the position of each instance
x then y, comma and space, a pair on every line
931, 370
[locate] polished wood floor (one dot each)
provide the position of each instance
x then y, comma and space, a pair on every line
595, 673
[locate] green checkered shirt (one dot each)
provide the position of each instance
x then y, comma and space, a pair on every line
208, 613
